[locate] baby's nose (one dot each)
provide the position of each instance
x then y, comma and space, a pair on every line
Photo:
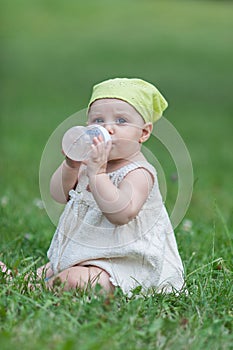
109, 127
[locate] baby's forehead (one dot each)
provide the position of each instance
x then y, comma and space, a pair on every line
110, 102
115, 105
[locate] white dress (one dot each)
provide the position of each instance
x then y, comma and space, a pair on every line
142, 252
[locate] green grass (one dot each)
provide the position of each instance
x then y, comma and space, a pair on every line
52, 54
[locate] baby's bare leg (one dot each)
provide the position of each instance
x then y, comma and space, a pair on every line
72, 278
82, 277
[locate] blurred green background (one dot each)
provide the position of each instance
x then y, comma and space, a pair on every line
52, 52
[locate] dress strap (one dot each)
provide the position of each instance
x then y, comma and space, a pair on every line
117, 176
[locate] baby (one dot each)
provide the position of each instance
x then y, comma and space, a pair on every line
115, 230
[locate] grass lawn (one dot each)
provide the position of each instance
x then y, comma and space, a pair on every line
52, 54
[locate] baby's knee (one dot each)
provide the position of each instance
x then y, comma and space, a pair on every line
101, 277
71, 278
81, 277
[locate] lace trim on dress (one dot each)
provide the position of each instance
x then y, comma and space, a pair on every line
118, 175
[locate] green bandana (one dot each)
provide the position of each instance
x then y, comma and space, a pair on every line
143, 96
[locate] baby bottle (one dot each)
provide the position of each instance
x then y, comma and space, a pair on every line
77, 141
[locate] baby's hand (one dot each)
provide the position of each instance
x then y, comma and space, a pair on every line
98, 158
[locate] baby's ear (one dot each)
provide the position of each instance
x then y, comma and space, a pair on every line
146, 131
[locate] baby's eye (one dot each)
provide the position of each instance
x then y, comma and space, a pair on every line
120, 120
98, 121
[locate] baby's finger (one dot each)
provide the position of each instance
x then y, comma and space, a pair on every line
100, 138
95, 141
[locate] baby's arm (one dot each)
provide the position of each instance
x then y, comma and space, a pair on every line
64, 179
120, 205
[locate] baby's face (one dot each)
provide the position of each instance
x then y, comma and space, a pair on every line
122, 121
